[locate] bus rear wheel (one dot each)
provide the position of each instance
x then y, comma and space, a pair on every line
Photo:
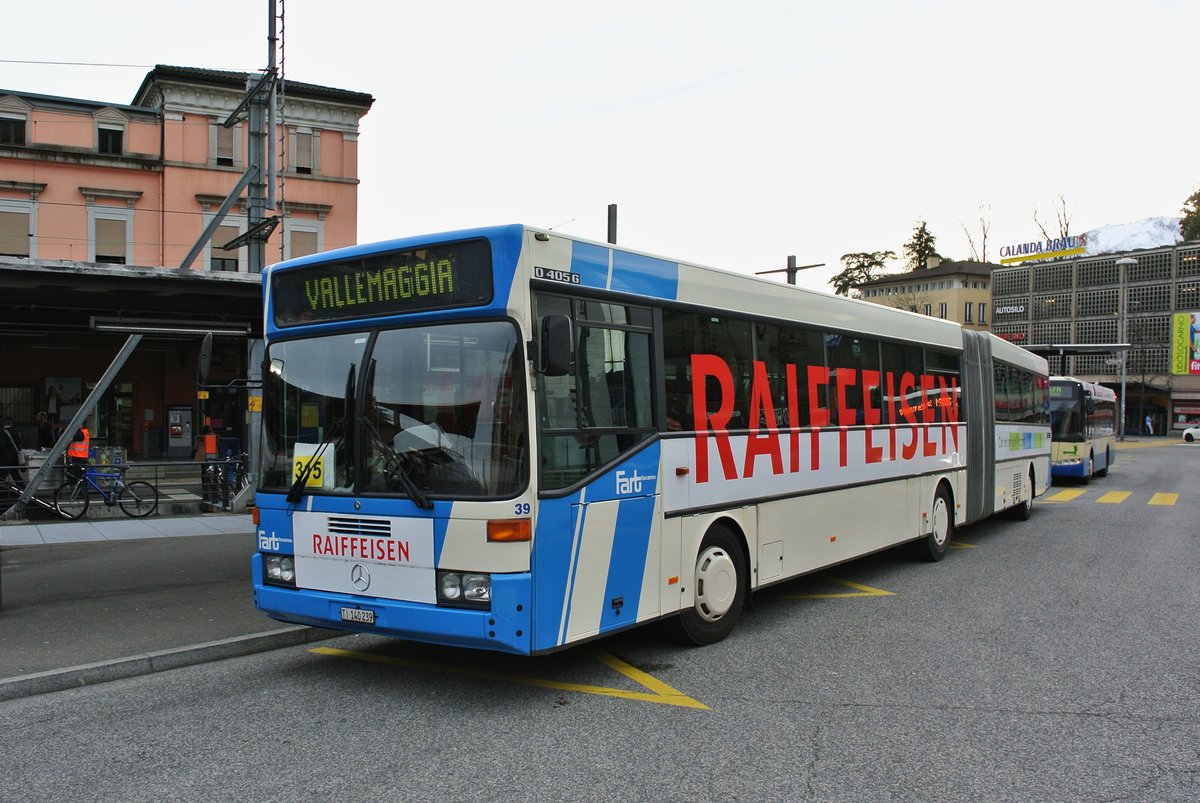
1023, 511
936, 543
719, 586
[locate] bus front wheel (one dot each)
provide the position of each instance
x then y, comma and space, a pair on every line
719, 587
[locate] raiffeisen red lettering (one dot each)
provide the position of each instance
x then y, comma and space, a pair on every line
922, 410
386, 550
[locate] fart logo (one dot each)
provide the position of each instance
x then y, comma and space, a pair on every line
272, 542
632, 483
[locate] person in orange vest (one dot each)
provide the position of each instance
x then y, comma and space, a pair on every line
206, 453
77, 453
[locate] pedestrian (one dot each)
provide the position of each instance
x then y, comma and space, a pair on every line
10, 454
53, 401
1149, 425
77, 453
45, 433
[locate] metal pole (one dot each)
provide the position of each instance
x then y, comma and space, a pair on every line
1124, 352
612, 223
1124, 304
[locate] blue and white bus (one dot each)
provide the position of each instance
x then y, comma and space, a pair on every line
511, 439
1083, 426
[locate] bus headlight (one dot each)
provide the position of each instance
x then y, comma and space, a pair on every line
279, 570
464, 590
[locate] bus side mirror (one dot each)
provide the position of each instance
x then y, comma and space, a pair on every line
554, 345
205, 362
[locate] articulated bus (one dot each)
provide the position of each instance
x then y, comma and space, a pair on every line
1083, 425
515, 440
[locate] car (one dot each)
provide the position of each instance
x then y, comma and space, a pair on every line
1191, 434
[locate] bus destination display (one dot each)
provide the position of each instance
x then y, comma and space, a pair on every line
435, 277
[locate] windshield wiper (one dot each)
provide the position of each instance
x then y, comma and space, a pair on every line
297, 490
336, 430
396, 468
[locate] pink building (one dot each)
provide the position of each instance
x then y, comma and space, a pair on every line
100, 203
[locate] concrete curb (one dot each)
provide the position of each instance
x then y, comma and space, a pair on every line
133, 666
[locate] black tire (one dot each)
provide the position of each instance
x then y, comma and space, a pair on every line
1103, 472
71, 500
934, 546
1023, 511
720, 584
1188, 438
138, 499
1088, 469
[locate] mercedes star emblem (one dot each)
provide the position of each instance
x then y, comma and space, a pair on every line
360, 578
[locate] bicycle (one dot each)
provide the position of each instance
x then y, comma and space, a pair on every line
136, 499
224, 479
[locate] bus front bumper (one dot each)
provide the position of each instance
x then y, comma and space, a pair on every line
1069, 468
504, 628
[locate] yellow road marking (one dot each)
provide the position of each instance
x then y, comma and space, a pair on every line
862, 591
659, 692
1113, 498
961, 545
1163, 499
1065, 495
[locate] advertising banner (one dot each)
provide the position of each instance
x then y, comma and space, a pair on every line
1185, 343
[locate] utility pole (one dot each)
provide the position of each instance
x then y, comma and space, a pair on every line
792, 269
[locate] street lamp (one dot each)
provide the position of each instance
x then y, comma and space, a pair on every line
1122, 264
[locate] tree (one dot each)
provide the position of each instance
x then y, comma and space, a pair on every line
1189, 224
980, 254
1064, 220
861, 267
922, 246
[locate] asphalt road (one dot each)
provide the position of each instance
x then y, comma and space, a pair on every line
1053, 659
70, 604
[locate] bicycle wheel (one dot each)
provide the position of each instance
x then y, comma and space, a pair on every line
138, 499
71, 499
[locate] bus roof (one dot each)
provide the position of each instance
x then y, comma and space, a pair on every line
605, 266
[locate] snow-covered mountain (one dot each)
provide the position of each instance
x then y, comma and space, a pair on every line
1152, 232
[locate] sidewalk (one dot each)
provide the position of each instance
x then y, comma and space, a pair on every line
96, 600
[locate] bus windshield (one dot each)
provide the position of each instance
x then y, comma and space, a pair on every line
424, 411
1066, 414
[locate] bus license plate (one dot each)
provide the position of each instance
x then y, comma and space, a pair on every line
358, 615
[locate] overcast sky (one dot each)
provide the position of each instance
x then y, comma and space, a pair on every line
728, 133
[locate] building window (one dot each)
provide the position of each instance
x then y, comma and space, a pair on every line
110, 139
12, 130
110, 237
16, 229
305, 150
1154, 297
942, 310
110, 241
224, 145
967, 312
928, 309
983, 312
303, 237
219, 258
